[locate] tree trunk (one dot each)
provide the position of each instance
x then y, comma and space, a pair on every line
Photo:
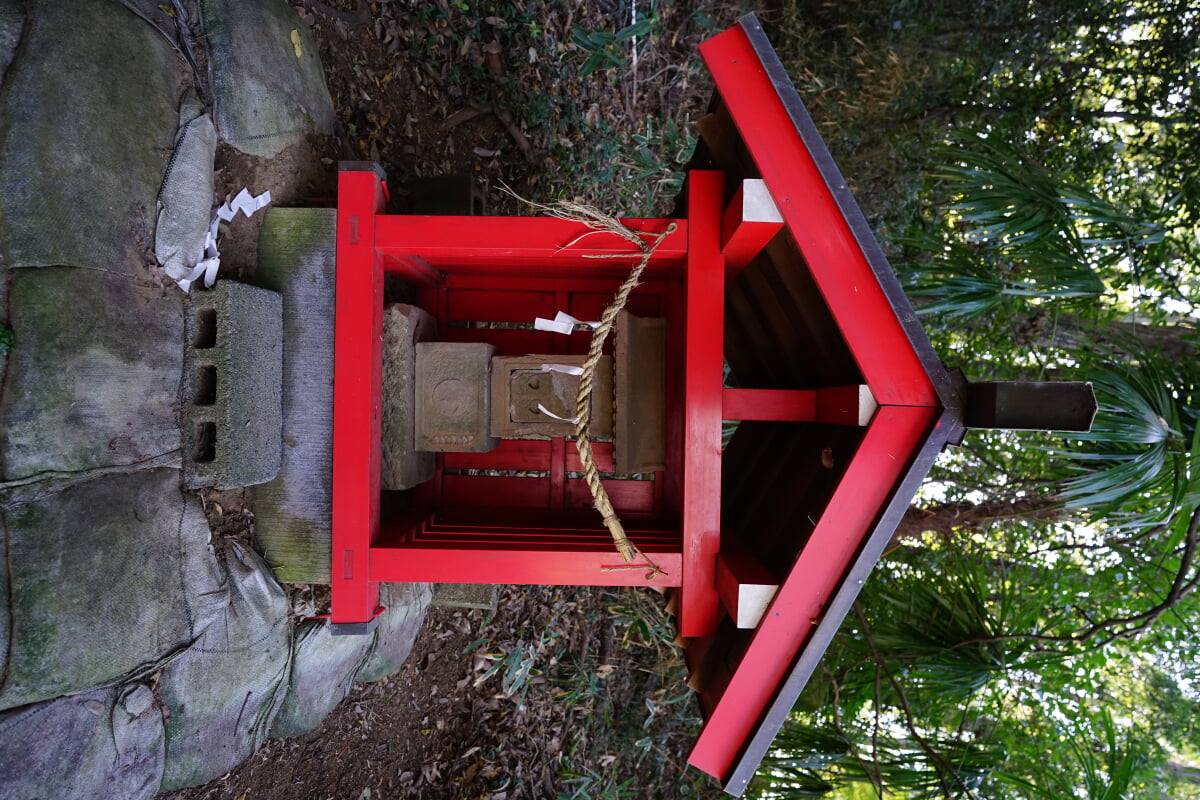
951, 519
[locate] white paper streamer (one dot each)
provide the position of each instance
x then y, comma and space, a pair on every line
562, 323
564, 368
244, 202
210, 257
552, 415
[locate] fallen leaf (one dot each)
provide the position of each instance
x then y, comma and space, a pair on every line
296, 43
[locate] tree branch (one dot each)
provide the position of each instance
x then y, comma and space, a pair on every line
1113, 628
943, 766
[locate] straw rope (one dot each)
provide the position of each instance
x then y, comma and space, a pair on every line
598, 221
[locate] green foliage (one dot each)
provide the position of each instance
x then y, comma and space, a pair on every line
601, 46
1141, 456
1107, 775
6, 340
1030, 170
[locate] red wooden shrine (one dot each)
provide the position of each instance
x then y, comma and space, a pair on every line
844, 404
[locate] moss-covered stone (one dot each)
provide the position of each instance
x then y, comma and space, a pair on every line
105, 577
93, 376
268, 86
87, 121
297, 258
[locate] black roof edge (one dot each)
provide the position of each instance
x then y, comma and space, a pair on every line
946, 390
945, 429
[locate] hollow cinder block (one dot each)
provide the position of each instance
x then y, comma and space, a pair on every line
402, 466
233, 372
452, 397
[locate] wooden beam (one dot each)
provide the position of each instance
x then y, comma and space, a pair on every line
832, 405
745, 586
357, 394
749, 222
703, 375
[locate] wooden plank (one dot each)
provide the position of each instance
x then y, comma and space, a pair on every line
474, 305
626, 496
749, 222
703, 376
779, 405
357, 401
745, 586
489, 490
866, 313
601, 566
509, 455
523, 245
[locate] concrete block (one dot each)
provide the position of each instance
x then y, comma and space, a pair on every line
453, 397
402, 466
233, 374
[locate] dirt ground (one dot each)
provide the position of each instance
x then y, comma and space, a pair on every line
562, 693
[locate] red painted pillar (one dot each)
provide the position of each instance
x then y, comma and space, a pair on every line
357, 390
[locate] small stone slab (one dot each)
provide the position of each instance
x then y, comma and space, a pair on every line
523, 393
453, 397
104, 743
232, 379
268, 86
293, 513
87, 125
93, 376
107, 576
466, 595
222, 694
402, 466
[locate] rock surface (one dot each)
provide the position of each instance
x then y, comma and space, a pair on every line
268, 87
87, 123
104, 743
93, 378
106, 577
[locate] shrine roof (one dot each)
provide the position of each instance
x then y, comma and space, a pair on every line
820, 307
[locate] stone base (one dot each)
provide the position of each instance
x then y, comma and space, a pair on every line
402, 466
466, 595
